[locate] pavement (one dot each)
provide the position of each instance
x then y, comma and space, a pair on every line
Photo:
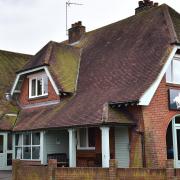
5, 175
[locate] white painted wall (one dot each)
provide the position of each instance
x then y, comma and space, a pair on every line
122, 146
51, 145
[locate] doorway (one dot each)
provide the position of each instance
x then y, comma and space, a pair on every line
176, 140
5, 151
173, 141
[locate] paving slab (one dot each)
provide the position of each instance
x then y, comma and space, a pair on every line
5, 175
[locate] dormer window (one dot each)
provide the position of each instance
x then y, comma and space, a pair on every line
38, 85
173, 72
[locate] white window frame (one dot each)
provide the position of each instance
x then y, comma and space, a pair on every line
22, 146
37, 77
87, 141
172, 81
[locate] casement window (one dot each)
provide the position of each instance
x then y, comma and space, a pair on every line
38, 86
173, 72
27, 146
86, 138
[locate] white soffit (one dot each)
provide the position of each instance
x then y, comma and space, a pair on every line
149, 93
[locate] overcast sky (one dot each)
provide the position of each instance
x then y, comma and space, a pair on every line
27, 25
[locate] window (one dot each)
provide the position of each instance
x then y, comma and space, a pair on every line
86, 138
173, 72
38, 86
27, 146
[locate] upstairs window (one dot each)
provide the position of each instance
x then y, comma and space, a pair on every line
173, 72
86, 139
38, 86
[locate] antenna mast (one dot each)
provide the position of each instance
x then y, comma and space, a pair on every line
68, 3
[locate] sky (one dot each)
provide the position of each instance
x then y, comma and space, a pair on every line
27, 25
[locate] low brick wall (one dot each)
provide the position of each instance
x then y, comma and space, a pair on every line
22, 171
52, 172
141, 174
81, 173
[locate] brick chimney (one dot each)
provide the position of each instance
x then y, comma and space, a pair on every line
145, 5
76, 32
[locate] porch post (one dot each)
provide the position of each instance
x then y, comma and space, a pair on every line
42, 147
13, 146
105, 146
72, 147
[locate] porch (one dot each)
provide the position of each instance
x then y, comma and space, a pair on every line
75, 147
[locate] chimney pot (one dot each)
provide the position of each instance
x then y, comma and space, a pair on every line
151, 3
79, 23
156, 4
145, 5
141, 3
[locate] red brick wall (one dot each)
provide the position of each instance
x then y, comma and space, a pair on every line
24, 95
156, 119
136, 159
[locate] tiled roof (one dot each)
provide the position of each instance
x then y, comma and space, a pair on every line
118, 63
9, 63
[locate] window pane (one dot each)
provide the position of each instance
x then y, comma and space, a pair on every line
168, 74
26, 153
176, 71
178, 143
82, 137
91, 137
9, 145
36, 138
18, 153
35, 152
9, 159
27, 138
39, 86
33, 87
45, 79
177, 120
18, 140
1, 143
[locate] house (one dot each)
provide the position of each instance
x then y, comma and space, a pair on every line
112, 93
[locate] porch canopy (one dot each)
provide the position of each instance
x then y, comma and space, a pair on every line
40, 119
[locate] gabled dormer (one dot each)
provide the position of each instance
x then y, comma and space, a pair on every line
49, 75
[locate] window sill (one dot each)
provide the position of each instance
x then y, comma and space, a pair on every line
29, 160
86, 148
38, 97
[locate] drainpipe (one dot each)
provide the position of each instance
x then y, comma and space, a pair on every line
143, 149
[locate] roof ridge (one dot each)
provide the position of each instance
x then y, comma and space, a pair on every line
170, 25
12, 52
48, 52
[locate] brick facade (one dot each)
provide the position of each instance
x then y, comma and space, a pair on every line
24, 95
157, 117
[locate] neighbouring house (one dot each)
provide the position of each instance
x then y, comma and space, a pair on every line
111, 93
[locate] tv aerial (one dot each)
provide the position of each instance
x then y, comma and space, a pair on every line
68, 4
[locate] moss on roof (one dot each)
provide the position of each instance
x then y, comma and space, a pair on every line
119, 116
7, 122
9, 63
65, 68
